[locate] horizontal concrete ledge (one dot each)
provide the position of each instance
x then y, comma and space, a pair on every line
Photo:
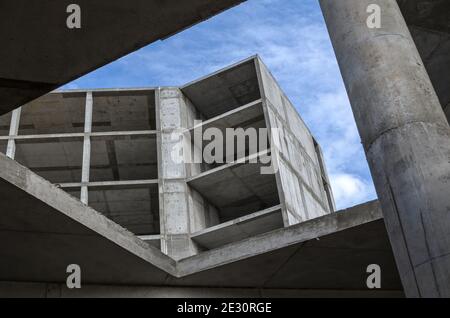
46, 229
254, 57
217, 121
240, 229
149, 237
107, 184
241, 161
311, 230
106, 90
81, 135
237, 189
42, 290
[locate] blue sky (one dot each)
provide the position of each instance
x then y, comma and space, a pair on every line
291, 38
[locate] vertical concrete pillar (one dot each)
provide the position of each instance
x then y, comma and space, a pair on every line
173, 189
405, 134
86, 165
13, 131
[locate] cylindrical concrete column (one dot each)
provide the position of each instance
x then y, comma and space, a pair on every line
405, 134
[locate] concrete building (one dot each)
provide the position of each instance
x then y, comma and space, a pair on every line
112, 149
174, 229
118, 204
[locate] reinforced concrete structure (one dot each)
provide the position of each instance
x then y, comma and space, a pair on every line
104, 191
113, 149
171, 229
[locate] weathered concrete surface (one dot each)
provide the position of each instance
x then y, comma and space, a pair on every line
39, 52
429, 24
47, 230
431, 15
331, 252
299, 172
434, 48
42, 290
43, 230
130, 169
237, 189
240, 229
405, 134
173, 192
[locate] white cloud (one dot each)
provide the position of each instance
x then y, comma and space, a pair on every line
350, 190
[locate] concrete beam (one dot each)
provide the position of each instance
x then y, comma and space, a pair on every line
108, 184
47, 229
240, 229
13, 131
50, 230
86, 164
405, 134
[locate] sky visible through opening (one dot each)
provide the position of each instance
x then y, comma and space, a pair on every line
292, 40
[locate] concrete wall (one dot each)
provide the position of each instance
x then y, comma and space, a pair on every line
300, 177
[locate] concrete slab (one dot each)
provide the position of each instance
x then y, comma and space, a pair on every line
109, 30
225, 90
331, 252
237, 189
240, 229
248, 116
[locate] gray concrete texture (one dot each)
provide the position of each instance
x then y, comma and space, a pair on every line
42, 290
48, 229
403, 127
430, 29
40, 53
113, 149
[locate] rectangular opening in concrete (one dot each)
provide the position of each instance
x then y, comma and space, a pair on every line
53, 114
59, 160
154, 240
116, 158
119, 110
237, 189
240, 229
249, 119
134, 207
75, 192
224, 90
